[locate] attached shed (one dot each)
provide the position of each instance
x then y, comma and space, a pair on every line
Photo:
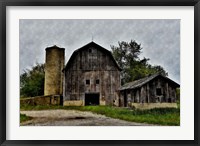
91, 77
152, 89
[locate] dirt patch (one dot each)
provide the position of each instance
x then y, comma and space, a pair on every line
73, 118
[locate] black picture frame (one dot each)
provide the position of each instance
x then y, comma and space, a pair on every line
5, 3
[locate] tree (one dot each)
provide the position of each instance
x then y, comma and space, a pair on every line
32, 81
133, 68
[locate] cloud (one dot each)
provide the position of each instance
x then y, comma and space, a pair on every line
160, 38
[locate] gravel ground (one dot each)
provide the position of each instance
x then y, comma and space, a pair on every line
73, 118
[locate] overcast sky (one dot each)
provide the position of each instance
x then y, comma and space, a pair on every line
160, 39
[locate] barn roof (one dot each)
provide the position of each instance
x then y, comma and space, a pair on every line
88, 45
141, 82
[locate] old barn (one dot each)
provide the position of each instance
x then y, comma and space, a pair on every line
91, 77
152, 89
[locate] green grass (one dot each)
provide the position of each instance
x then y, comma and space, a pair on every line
24, 118
178, 104
160, 116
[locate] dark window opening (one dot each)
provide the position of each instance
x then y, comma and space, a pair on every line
97, 81
90, 50
158, 91
87, 82
169, 100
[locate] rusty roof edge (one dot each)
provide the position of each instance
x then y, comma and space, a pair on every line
124, 87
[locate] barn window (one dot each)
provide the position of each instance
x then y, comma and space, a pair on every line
87, 82
158, 91
97, 81
90, 50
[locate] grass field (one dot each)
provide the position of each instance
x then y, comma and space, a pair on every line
161, 116
24, 118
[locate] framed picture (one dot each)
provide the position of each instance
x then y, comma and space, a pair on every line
99, 72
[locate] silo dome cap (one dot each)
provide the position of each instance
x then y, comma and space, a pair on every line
54, 47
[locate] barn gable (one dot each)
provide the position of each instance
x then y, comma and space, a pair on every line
94, 50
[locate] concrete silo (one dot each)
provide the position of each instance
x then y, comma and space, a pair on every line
54, 64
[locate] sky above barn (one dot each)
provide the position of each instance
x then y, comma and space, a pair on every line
159, 38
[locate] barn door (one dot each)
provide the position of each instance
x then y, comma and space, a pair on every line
92, 99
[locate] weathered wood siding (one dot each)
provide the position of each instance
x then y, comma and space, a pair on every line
148, 94
92, 64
